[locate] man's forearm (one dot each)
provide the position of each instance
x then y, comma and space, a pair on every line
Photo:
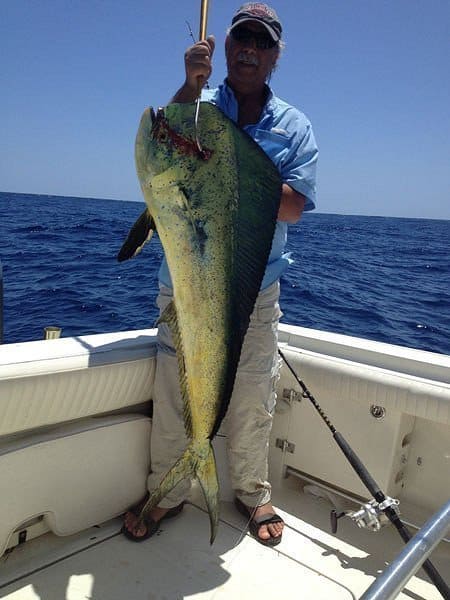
291, 205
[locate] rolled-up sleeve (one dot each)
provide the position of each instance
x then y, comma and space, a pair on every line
298, 167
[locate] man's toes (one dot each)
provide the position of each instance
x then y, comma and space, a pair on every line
264, 533
275, 529
134, 527
132, 524
138, 530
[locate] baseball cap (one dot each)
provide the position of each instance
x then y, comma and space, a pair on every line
261, 13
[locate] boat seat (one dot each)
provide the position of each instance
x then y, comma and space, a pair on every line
75, 475
46, 383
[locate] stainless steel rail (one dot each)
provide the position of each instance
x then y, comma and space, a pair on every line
416, 551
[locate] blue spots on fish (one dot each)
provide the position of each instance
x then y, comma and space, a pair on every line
200, 236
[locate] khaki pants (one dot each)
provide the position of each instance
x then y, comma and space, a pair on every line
249, 418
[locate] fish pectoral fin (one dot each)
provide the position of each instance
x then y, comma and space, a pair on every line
168, 185
166, 179
138, 236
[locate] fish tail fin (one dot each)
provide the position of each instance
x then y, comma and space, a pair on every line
183, 468
196, 462
207, 476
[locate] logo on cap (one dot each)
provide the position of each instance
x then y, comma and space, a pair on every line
260, 10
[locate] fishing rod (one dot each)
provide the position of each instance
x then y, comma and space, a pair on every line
381, 502
203, 19
201, 36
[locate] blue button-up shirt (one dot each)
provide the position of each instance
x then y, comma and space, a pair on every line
286, 136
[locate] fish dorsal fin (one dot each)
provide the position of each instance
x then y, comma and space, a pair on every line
138, 236
259, 192
259, 202
169, 316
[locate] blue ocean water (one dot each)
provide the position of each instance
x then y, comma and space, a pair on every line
381, 278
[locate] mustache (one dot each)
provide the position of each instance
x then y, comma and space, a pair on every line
247, 58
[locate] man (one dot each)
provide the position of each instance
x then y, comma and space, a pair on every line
252, 48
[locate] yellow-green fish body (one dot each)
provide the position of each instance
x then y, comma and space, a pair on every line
215, 211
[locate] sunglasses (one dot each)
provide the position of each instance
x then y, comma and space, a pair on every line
263, 41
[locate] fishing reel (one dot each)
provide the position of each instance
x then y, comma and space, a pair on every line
370, 516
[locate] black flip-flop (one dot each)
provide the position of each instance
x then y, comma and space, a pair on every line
255, 523
150, 524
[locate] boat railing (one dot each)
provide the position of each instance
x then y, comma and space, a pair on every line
410, 559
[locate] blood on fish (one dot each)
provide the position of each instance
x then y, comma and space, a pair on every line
163, 132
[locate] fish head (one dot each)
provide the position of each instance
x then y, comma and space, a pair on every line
153, 149
165, 137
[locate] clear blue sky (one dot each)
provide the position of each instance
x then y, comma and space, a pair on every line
372, 75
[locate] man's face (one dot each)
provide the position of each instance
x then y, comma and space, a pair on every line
248, 63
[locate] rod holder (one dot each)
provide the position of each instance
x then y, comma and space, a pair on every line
52, 333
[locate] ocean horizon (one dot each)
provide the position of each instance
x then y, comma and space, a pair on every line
141, 201
381, 278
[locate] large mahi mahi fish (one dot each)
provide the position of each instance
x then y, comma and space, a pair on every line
215, 211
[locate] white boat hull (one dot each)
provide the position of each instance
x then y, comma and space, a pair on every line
75, 431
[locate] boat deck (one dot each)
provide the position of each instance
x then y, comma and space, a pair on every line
311, 563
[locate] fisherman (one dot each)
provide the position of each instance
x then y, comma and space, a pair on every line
253, 46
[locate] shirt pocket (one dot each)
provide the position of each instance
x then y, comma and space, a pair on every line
274, 143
